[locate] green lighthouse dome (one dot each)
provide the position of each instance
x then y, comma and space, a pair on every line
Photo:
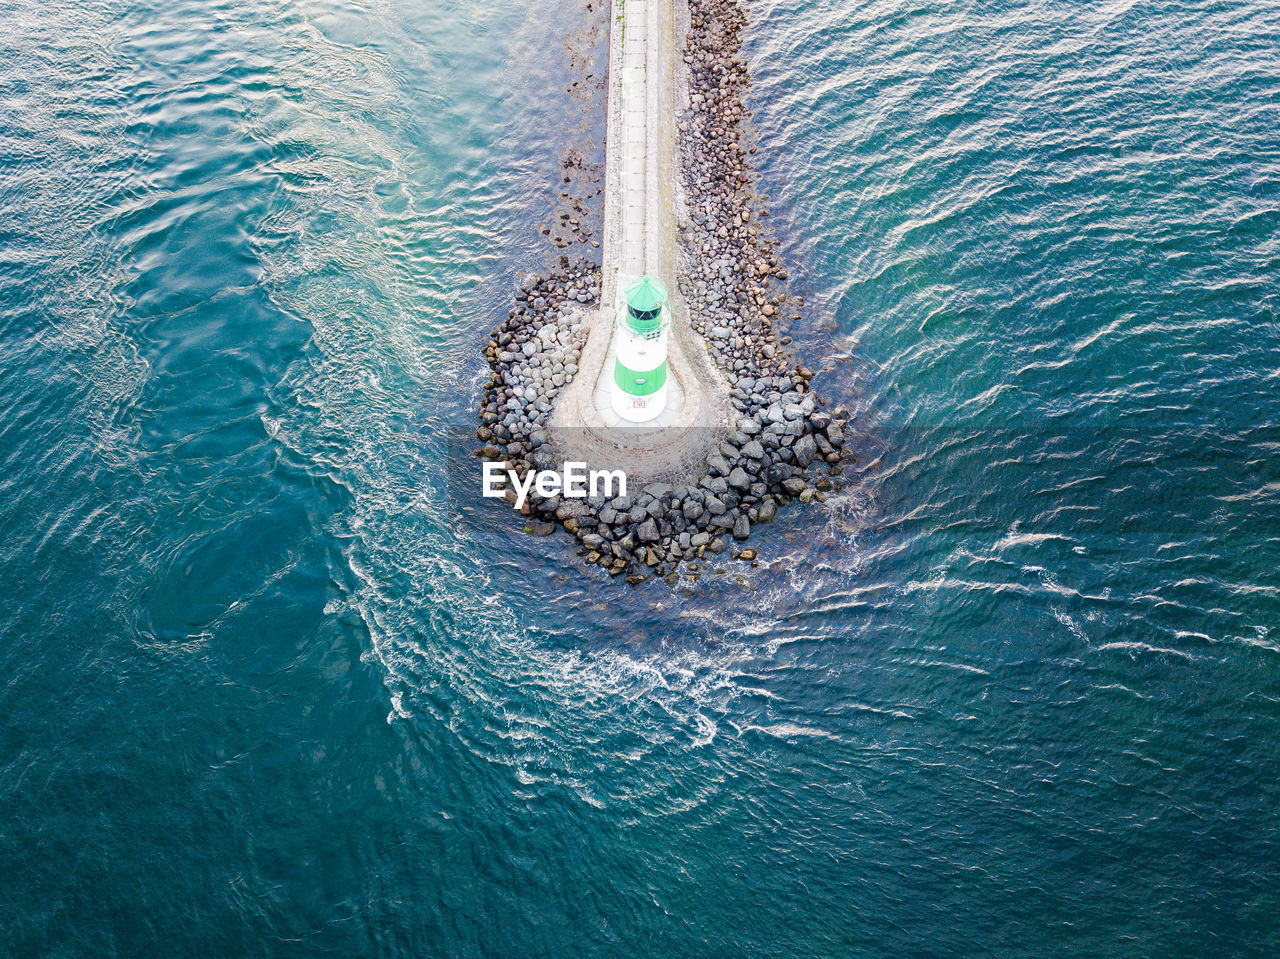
645, 299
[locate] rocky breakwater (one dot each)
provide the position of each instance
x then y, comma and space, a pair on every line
731, 276
533, 354
780, 439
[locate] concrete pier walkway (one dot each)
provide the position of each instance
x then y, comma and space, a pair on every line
642, 210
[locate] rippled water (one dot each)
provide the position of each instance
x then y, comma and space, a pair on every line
276, 683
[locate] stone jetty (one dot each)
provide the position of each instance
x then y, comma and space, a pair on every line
746, 433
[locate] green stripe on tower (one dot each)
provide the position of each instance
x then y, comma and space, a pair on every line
641, 383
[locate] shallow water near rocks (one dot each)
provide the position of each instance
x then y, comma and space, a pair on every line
272, 686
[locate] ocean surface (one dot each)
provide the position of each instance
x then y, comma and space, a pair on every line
274, 681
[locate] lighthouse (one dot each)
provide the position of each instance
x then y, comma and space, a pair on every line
640, 363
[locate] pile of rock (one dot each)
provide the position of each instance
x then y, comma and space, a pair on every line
728, 261
533, 354
759, 467
731, 282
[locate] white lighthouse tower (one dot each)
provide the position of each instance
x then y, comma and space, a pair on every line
640, 363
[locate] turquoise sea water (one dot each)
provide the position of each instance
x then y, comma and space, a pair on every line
275, 683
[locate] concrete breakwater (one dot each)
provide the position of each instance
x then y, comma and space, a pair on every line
754, 435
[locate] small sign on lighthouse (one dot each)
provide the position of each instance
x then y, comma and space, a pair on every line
640, 364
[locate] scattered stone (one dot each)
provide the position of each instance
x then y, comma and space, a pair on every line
794, 485
804, 451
